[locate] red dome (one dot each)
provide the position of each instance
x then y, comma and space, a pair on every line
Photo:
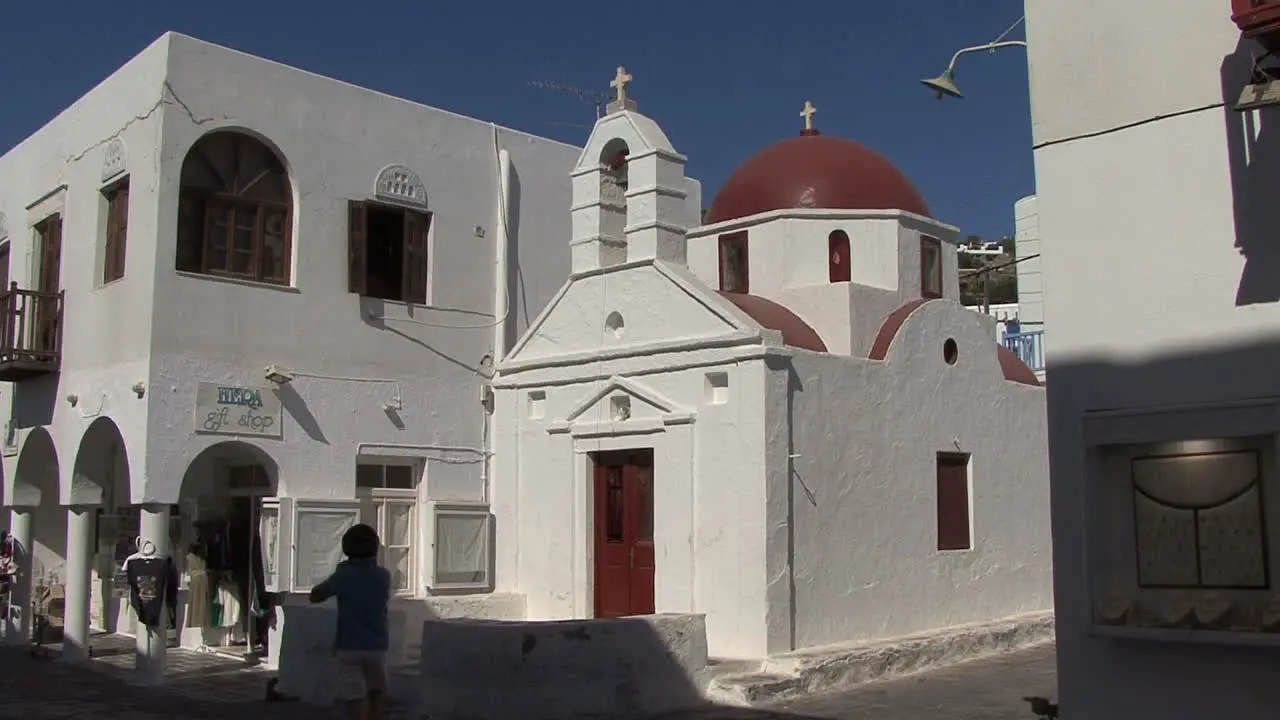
815, 171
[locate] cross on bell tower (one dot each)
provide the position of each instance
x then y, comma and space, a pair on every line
621, 102
807, 113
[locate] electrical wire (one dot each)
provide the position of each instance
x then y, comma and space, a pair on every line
506, 234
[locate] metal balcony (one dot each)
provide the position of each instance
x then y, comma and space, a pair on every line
1029, 347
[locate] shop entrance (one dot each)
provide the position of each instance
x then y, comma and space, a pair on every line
227, 606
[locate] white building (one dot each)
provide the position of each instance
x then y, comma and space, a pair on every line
202, 215
782, 419
1156, 205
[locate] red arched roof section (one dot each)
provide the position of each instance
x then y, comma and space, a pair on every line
1011, 366
1014, 369
815, 171
795, 332
889, 329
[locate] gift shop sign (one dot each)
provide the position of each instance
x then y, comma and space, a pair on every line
230, 410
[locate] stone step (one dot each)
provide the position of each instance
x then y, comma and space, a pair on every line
833, 668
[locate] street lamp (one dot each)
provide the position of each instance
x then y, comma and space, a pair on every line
945, 84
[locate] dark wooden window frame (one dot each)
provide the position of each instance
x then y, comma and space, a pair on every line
116, 230
955, 504
838, 247
926, 278
735, 238
416, 262
208, 200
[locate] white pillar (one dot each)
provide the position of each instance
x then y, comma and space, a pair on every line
75, 630
151, 643
17, 627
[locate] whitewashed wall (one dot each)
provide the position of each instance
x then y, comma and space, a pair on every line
168, 331
866, 435
789, 264
335, 138
1138, 159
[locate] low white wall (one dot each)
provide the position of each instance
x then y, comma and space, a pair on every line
628, 667
301, 642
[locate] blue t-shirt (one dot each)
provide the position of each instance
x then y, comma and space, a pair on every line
363, 589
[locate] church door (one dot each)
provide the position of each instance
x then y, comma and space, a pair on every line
624, 558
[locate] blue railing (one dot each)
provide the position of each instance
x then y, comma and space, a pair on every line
1029, 346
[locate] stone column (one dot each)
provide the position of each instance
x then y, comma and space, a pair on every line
75, 631
17, 626
152, 643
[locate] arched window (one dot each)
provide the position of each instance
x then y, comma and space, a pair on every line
838, 257
234, 211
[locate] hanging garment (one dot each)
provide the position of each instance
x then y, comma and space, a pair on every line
228, 598
153, 585
199, 593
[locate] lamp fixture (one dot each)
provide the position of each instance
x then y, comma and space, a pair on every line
277, 375
139, 388
944, 85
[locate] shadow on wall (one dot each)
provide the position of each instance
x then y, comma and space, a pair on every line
1104, 678
795, 481
1254, 148
517, 297
296, 406
445, 666
34, 400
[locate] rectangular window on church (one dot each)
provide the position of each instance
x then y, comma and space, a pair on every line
954, 527
930, 267
388, 252
734, 275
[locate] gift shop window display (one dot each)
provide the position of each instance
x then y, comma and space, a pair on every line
153, 586
226, 588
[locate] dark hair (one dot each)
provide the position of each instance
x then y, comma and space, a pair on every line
361, 541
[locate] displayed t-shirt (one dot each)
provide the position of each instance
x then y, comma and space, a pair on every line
153, 585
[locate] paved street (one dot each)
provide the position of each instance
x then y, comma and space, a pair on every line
203, 687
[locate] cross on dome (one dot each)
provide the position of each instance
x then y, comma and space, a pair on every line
807, 113
619, 84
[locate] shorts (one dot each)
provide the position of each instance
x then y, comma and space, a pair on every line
361, 673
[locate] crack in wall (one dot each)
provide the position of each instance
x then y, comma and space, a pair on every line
176, 101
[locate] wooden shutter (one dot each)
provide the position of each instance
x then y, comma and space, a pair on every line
953, 502
416, 225
51, 255
357, 248
117, 231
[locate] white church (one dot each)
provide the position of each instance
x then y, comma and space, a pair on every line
778, 417
782, 419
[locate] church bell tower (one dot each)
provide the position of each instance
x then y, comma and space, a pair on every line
628, 190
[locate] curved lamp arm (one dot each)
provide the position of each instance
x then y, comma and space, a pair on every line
990, 47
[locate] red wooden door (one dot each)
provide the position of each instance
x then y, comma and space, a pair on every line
624, 557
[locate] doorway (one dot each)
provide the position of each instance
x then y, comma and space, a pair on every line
624, 556
227, 596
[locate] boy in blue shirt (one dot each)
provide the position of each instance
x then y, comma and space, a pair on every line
363, 589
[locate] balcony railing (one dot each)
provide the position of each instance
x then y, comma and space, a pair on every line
1028, 346
30, 334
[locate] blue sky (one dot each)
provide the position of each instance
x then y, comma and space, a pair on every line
725, 78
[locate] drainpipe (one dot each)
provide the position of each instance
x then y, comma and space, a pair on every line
501, 306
